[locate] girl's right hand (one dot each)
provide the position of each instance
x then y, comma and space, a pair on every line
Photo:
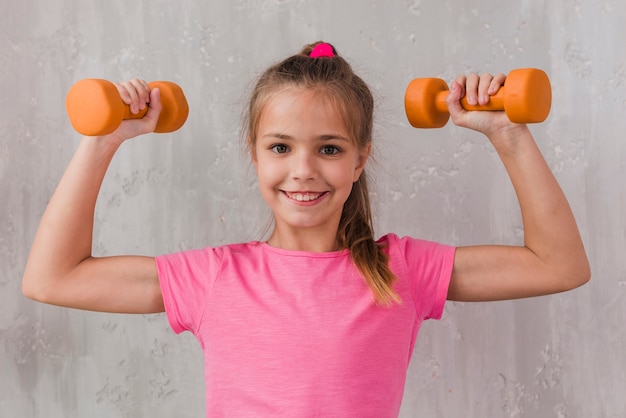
137, 95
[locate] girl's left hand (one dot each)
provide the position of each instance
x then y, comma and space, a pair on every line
478, 89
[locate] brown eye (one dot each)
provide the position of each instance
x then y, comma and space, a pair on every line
330, 150
279, 148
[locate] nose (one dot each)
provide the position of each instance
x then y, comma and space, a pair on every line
304, 166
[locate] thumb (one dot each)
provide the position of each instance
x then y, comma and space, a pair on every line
453, 101
154, 109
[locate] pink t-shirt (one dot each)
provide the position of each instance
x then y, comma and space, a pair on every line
296, 334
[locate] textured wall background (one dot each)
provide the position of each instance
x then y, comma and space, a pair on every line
555, 356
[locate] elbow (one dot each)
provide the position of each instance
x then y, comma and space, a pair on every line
578, 280
32, 290
585, 275
29, 291
579, 275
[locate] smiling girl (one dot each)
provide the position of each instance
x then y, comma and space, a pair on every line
320, 319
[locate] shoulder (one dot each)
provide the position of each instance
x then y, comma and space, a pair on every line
416, 257
407, 245
426, 266
208, 258
210, 251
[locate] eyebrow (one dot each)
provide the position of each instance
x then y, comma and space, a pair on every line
328, 137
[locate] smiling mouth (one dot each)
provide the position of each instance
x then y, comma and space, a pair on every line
303, 197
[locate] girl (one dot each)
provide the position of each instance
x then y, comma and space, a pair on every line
319, 320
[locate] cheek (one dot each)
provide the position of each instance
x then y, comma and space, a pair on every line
342, 175
267, 173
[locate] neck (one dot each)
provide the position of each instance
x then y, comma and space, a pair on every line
308, 240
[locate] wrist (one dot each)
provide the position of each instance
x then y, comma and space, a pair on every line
101, 146
509, 137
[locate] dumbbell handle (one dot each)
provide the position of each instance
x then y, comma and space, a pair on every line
95, 107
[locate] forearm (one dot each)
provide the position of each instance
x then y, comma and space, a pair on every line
64, 236
550, 230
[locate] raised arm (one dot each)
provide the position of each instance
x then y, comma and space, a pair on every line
552, 258
61, 269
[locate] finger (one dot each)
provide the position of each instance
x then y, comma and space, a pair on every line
143, 92
496, 83
471, 89
484, 83
123, 92
129, 95
461, 80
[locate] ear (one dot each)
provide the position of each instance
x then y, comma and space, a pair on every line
252, 151
362, 159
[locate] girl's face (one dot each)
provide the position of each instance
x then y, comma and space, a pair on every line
306, 163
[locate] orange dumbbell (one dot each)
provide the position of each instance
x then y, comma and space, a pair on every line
95, 107
525, 97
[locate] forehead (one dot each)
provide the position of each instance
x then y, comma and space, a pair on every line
301, 105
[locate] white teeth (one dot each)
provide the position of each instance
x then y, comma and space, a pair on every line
303, 197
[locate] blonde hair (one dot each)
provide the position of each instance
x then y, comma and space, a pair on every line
334, 77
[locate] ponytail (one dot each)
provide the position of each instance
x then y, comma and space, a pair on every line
355, 233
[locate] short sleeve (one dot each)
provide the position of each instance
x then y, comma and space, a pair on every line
186, 279
428, 267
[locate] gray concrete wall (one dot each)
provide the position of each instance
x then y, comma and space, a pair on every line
555, 356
